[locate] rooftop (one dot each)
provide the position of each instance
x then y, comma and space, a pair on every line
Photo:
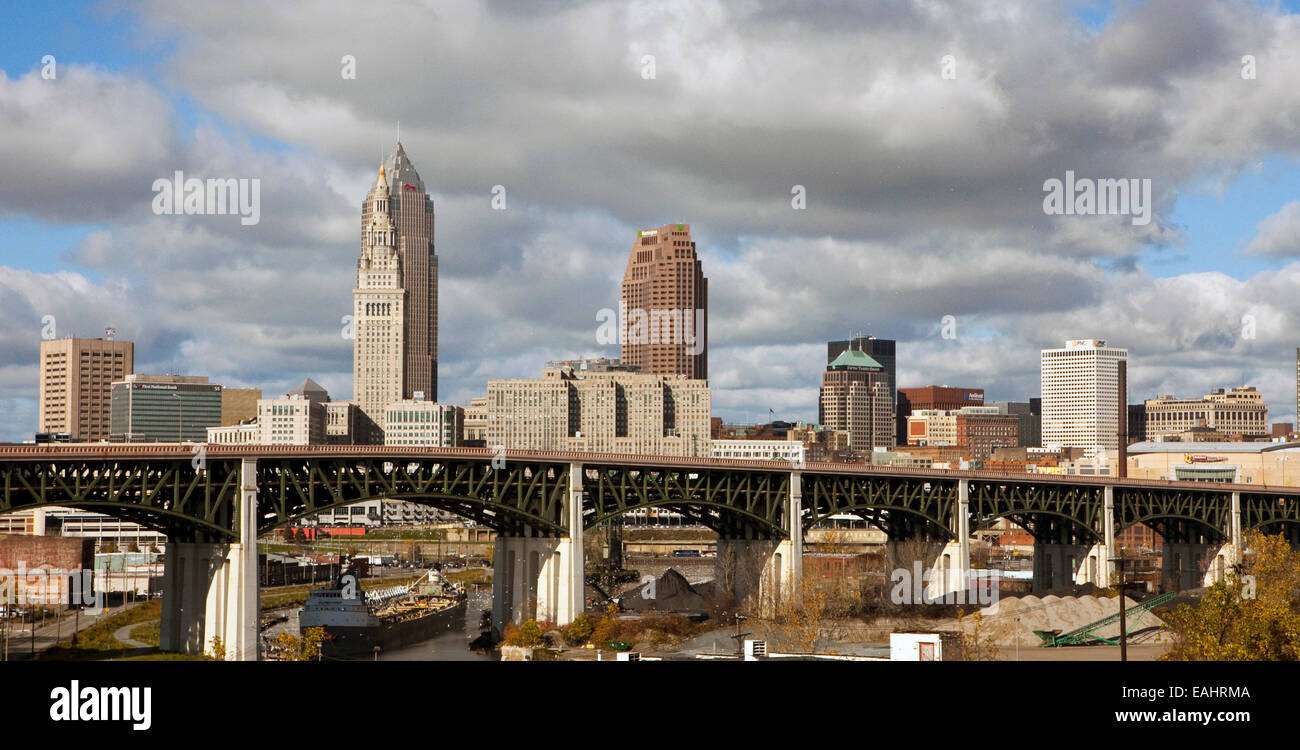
854, 358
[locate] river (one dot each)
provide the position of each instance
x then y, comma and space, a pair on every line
450, 645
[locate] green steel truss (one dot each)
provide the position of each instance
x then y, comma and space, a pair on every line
167, 495
527, 496
900, 506
521, 498
1167, 508
736, 504
1041, 508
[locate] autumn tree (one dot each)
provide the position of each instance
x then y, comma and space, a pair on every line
1253, 615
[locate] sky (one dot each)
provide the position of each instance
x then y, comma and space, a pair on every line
921, 134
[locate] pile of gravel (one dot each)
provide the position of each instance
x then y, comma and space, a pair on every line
1015, 619
671, 592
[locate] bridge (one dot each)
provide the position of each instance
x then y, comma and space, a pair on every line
213, 502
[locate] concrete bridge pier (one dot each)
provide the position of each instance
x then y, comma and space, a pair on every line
1188, 558
1058, 552
541, 578
1095, 566
763, 574
210, 590
950, 573
1224, 560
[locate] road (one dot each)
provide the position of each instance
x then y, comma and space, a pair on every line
55, 630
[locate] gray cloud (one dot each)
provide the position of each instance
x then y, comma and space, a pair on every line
924, 194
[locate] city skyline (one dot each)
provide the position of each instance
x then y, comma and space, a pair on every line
883, 244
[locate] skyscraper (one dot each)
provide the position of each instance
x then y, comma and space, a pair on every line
855, 398
395, 302
665, 302
1081, 395
881, 350
76, 385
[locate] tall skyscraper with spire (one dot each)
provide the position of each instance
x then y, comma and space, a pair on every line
395, 302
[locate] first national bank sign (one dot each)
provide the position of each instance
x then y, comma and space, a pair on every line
174, 387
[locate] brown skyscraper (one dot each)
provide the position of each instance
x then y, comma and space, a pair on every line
665, 304
855, 398
77, 383
396, 298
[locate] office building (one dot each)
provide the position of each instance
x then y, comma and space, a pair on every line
164, 409
607, 412
297, 418
1028, 414
475, 426
1239, 411
979, 429
395, 302
881, 350
239, 405
416, 422
75, 392
1081, 395
930, 397
663, 313
855, 398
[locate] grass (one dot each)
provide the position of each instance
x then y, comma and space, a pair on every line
472, 575
148, 632
97, 643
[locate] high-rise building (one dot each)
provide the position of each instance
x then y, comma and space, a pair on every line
395, 302
855, 398
881, 350
164, 409
1297, 385
76, 384
1240, 411
606, 412
664, 316
1081, 395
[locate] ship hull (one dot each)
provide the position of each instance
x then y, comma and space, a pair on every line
346, 641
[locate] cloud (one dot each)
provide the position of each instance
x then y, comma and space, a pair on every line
1278, 234
924, 194
81, 147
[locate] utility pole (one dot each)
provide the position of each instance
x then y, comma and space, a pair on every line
1123, 625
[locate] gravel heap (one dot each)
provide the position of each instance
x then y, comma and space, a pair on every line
1015, 619
671, 593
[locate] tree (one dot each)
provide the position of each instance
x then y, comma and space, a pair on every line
528, 635
580, 630
1253, 615
977, 644
300, 648
606, 628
